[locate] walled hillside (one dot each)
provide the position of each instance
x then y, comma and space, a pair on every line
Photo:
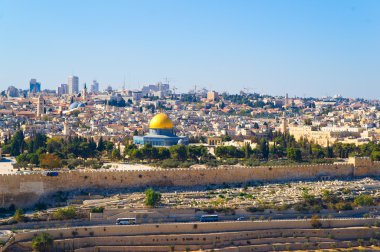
247, 235
25, 190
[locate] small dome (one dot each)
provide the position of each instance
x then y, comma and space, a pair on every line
161, 121
73, 105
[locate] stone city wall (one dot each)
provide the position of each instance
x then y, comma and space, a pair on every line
26, 190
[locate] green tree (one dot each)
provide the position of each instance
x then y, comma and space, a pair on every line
317, 151
178, 152
149, 152
37, 141
247, 150
375, 155
54, 145
264, 149
229, 152
50, 161
197, 152
116, 154
17, 144
22, 158
128, 149
136, 154
152, 198
163, 153
101, 146
294, 154
42, 242
226, 138
33, 158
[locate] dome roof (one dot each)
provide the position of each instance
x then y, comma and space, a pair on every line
75, 105
161, 121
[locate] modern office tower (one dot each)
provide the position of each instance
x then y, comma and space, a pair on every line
63, 89
94, 87
73, 84
34, 86
12, 92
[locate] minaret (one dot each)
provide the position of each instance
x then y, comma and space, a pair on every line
66, 128
40, 106
286, 99
107, 106
92, 125
84, 95
284, 124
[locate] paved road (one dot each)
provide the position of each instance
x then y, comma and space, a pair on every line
87, 222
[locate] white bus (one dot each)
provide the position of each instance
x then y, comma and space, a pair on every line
126, 221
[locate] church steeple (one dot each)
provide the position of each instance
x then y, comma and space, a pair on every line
40, 106
84, 93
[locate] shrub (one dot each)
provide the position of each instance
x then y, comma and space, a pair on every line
343, 206
97, 210
40, 206
65, 213
364, 200
152, 198
42, 242
360, 242
19, 215
315, 221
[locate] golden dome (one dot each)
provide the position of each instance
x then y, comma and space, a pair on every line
161, 121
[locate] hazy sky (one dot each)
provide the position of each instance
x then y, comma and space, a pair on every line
304, 48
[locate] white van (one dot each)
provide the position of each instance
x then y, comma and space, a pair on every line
126, 221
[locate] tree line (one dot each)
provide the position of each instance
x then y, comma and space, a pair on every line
39, 150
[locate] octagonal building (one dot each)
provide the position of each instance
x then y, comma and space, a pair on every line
161, 133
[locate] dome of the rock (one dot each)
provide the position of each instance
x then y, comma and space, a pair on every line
161, 121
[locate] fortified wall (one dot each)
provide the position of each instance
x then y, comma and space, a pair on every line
26, 190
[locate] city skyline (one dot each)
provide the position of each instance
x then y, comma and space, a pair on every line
274, 47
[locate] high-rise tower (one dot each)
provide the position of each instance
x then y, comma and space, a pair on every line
73, 83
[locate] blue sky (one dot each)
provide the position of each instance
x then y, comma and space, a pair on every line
304, 48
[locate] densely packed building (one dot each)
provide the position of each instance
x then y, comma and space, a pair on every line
118, 115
